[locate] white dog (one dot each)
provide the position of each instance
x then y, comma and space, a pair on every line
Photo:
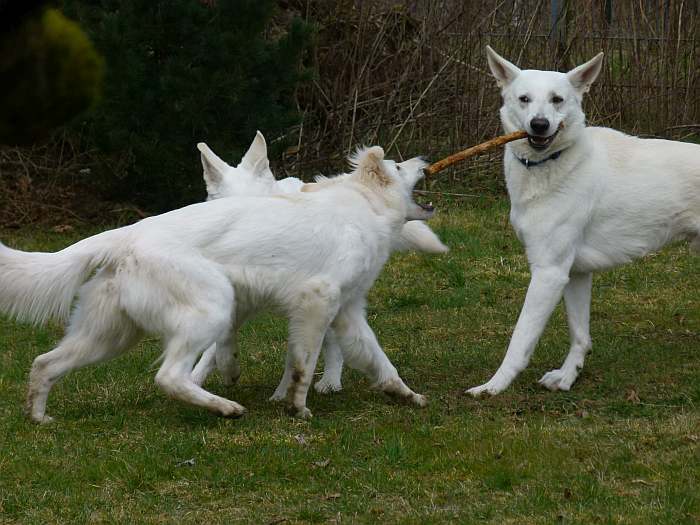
583, 199
252, 177
190, 274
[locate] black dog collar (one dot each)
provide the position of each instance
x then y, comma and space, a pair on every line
530, 163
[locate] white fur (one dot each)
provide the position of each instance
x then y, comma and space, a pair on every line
607, 199
189, 275
223, 180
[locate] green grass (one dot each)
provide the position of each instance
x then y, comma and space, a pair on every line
622, 447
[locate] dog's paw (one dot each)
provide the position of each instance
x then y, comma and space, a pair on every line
489, 389
326, 386
42, 420
301, 413
419, 400
279, 395
558, 380
231, 409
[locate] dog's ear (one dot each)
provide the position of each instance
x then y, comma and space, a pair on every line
368, 164
256, 156
584, 75
504, 71
214, 168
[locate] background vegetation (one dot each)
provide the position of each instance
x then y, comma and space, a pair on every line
180, 72
410, 75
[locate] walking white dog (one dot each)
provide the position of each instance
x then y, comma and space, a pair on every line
243, 180
583, 199
191, 274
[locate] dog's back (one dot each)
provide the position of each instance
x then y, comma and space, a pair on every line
654, 184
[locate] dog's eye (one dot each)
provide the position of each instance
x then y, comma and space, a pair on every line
524, 99
556, 99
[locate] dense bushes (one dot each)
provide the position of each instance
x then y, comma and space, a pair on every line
49, 71
179, 72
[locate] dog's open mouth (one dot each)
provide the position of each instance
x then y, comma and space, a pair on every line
420, 212
540, 142
427, 207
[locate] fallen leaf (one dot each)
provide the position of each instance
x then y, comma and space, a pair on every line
632, 396
322, 464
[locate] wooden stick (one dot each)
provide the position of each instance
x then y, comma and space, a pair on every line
474, 150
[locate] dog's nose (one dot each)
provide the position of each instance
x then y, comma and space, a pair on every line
539, 125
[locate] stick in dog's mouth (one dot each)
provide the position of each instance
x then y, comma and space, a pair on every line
484, 147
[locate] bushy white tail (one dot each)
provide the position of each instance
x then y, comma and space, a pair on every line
416, 235
36, 286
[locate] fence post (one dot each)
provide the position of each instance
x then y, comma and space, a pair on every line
557, 34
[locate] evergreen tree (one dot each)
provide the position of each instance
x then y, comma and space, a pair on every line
183, 71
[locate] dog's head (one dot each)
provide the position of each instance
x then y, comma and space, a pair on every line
252, 177
394, 181
546, 104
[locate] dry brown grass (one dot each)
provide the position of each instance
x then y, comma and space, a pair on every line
412, 76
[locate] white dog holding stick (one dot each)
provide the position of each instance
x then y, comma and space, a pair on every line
583, 199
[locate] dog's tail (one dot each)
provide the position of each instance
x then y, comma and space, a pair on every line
36, 286
417, 236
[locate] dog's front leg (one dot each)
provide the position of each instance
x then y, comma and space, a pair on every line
543, 294
332, 365
577, 298
362, 352
332, 370
316, 306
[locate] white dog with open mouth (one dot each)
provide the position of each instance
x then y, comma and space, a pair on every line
583, 199
252, 177
192, 274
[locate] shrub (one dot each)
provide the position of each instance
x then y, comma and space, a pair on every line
183, 71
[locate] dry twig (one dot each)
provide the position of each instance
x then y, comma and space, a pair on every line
474, 150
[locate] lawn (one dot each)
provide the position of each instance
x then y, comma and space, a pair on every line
622, 447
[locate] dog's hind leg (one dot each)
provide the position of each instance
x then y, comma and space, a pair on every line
205, 366
577, 298
227, 360
361, 351
223, 355
206, 323
175, 374
98, 331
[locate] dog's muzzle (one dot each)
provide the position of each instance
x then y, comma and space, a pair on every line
540, 142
